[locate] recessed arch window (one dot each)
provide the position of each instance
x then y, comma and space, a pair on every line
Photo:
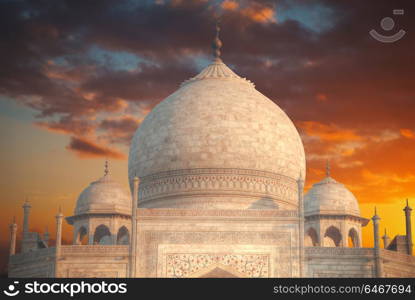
102, 235
311, 238
353, 238
332, 237
82, 236
123, 236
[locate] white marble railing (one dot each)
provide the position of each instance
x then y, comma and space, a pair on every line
33, 255
397, 256
96, 249
334, 251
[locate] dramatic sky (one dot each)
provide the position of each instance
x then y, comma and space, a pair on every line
78, 77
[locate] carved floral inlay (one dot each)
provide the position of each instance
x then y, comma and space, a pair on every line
249, 265
226, 181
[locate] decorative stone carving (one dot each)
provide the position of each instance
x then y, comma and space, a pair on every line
181, 265
174, 212
154, 246
245, 186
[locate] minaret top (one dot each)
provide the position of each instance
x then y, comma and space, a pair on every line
59, 215
375, 216
217, 43
13, 225
26, 204
407, 207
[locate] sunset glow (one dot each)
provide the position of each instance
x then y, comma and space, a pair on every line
79, 77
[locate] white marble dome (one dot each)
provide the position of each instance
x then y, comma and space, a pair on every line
329, 197
217, 143
102, 197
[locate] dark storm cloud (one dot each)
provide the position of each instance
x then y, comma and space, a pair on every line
119, 130
149, 83
338, 74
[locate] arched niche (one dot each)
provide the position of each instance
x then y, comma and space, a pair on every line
332, 237
353, 238
123, 236
311, 238
102, 235
82, 236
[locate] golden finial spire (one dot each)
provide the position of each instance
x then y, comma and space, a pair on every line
106, 170
328, 168
217, 43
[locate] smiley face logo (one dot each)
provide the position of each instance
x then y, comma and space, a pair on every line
387, 24
11, 290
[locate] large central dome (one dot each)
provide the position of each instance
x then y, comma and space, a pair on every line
217, 143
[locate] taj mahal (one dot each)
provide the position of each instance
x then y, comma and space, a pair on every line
216, 173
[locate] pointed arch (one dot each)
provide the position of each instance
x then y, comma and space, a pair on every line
311, 238
353, 238
123, 236
102, 235
82, 236
332, 237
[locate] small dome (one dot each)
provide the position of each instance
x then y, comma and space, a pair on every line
104, 196
330, 197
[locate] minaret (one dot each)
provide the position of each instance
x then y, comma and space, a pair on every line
133, 242
59, 218
13, 230
386, 240
378, 262
407, 211
26, 212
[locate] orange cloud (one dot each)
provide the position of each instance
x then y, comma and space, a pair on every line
329, 132
408, 133
85, 148
68, 126
254, 11
388, 179
320, 97
230, 5
260, 14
